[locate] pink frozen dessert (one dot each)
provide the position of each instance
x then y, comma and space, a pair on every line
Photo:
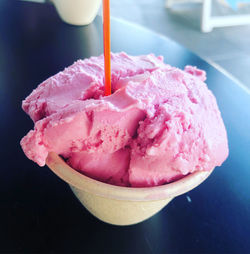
160, 123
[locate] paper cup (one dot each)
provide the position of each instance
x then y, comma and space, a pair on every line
121, 205
77, 12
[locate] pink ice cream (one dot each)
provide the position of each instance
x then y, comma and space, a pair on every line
160, 123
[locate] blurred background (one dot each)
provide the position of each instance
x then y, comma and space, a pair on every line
225, 47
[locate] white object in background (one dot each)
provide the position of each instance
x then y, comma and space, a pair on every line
206, 25
169, 3
77, 12
208, 22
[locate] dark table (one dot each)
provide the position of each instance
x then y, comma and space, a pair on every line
38, 212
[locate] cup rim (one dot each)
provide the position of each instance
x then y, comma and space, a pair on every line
87, 184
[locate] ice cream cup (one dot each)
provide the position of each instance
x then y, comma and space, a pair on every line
121, 205
77, 12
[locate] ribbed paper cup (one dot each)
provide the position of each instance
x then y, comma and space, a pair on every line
121, 205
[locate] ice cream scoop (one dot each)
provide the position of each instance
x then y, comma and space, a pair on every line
159, 124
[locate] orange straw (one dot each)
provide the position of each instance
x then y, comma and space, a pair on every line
106, 46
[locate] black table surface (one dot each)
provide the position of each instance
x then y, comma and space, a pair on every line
39, 213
